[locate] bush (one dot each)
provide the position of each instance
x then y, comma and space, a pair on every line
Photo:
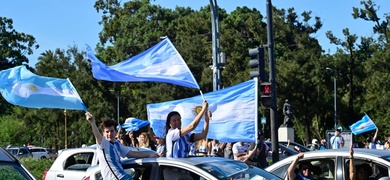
37, 166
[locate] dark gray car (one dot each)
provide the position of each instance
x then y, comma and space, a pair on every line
11, 168
20, 152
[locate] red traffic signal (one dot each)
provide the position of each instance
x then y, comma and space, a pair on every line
266, 88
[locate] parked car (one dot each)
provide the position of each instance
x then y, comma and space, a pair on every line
39, 153
293, 145
334, 163
284, 151
53, 154
73, 163
210, 168
11, 168
19, 152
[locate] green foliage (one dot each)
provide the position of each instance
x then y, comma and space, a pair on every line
37, 167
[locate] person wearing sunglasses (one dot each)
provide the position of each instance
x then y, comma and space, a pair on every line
304, 172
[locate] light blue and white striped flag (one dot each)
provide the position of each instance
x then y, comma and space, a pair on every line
133, 124
363, 125
160, 63
21, 87
233, 113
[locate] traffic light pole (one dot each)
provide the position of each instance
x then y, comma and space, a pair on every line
216, 45
273, 108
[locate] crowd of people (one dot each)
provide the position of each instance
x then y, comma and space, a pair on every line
179, 142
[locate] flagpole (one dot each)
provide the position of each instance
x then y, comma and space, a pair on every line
256, 79
202, 95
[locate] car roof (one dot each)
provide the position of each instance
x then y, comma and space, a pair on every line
358, 152
189, 161
5, 156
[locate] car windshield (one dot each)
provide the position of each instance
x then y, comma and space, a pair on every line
234, 170
12, 171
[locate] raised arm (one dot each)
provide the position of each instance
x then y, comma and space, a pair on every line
376, 134
351, 165
195, 122
291, 169
95, 129
205, 129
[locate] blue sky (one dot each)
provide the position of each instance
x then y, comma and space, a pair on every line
63, 23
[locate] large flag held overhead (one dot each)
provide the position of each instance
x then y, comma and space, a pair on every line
233, 113
160, 63
21, 87
363, 125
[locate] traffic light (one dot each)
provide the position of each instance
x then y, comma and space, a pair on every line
266, 94
257, 61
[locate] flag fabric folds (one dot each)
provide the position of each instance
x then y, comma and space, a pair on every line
233, 113
160, 63
133, 124
21, 87
363, 125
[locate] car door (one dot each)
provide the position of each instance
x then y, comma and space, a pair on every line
75, 166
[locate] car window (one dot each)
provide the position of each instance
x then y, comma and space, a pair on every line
138, 172
79, 161
323, 168
23, 151
11, 171
375, 170
170, 173
13, 151
281, 171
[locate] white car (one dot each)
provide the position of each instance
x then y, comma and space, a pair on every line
40, 153
71, 164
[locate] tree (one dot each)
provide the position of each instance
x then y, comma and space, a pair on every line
14, 48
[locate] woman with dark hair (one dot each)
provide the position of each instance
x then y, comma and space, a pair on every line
178, 139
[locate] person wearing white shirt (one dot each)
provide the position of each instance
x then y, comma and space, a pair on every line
110, 151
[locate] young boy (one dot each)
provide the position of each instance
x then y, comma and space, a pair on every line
109, 150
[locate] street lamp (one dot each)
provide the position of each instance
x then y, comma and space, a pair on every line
335, 105
117, 93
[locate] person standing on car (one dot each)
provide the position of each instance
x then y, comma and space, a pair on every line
109, 150
178, 139
337, 141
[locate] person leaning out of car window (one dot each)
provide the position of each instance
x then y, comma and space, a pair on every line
304, 172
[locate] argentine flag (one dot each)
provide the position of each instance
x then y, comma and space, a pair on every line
233, 113
363, 125
133, 124
21, 87
160, 63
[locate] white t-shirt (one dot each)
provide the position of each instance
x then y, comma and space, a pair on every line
336, 141
110, 154
238, 148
